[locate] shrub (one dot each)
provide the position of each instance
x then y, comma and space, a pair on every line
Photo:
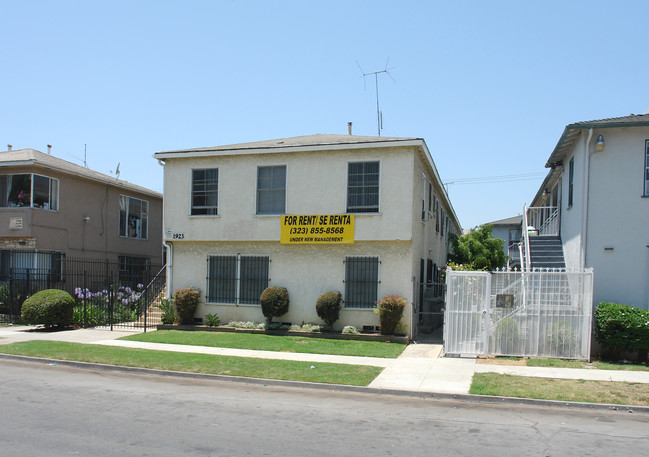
212, 320
186, 301
312, 328
168, 309
350, 329
49, 307
390, 310
622, 328
274, 303
247, 325
328, 307
507, 336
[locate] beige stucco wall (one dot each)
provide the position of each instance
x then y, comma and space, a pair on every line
316, 183
618, 218
65, 230
305, 270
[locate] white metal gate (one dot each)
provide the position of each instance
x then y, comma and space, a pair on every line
540, 313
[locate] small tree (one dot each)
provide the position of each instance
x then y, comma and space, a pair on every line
328, 307
390, 310
186, 301
49, 307
478, 250
274, 303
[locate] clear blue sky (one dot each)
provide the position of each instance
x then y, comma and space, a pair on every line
489, 85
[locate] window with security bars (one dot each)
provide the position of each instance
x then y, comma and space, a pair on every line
205, 192
361, 282
271, 189
363, 187
238, 279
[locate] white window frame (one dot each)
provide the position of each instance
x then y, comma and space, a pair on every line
191, 203
257, 190
142, 236
378, 204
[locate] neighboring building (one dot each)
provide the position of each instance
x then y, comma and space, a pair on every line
596, 198
49, 205
366, 216
509, 230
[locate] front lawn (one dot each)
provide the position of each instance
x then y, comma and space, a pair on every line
563, 363
329, 373
281, 343
579, 390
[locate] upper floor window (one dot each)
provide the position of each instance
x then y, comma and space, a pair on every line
646, 169
363, 187
29, 190
571, 178
271, 189
133, 217
205, 192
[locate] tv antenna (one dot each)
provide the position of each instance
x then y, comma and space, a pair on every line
386, 70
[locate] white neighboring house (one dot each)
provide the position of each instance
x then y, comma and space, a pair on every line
227, 224
596, 197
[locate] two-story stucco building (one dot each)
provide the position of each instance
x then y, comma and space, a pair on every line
366, 216
595, 198
49, 205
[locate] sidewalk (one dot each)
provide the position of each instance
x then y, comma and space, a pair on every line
420, 368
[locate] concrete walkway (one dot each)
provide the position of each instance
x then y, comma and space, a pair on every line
420, 368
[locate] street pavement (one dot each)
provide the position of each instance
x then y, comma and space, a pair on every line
420, 368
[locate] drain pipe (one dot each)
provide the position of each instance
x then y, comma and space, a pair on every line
168, 246
584, 209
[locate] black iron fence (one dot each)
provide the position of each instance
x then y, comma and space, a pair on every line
106, 293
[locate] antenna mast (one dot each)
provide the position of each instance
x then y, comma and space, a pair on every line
379, 113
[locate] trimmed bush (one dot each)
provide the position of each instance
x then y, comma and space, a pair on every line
274, 303
622, 328
390, 310
328, 307
507, 336
212, 320
186, 301
51, 307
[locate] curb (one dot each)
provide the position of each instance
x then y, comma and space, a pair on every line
465, 398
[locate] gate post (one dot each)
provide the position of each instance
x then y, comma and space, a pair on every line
487, 315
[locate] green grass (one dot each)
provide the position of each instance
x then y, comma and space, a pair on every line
329, 373
560, 363
623, 393
240, 340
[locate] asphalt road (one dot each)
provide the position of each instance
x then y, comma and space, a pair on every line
59, 411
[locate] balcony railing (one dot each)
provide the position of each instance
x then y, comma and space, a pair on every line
544, 220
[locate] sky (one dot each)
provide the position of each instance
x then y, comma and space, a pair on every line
489, 86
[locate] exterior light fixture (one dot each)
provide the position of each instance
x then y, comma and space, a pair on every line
599, 147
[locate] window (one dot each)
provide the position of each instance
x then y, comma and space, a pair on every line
443, 216
271, 189
238, 279
30, 191
361, 281
133, 271
133, 217
646, 169
571, 177
436, 209
363, 187
205, 192
423, 198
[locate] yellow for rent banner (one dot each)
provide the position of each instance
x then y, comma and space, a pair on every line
318, 229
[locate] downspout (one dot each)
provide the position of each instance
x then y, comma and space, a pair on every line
168, 246
584, 209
